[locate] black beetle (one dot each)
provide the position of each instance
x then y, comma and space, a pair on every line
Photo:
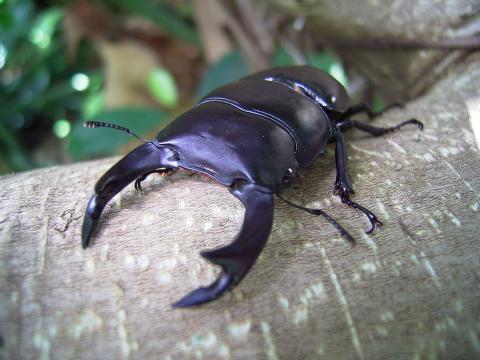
252, 135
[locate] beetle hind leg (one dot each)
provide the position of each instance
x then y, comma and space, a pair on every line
379, 131
238, 257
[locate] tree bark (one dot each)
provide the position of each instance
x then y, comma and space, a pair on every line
408, 291
395, 43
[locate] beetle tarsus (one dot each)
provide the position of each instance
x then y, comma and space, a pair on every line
374, 222
344, 190
319, 212
379, 131
161, 172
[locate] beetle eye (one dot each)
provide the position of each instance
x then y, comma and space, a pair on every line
288, 176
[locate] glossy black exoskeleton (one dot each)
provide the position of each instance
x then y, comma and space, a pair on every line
253, 136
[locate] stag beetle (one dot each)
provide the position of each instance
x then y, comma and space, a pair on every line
252, 135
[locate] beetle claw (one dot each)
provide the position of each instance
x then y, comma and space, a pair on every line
342, 188
374, 223
138, 184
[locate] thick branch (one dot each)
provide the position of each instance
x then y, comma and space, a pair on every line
410, 289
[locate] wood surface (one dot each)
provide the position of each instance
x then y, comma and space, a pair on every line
395, 43
408, 291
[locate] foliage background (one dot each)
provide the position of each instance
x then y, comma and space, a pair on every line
137, 64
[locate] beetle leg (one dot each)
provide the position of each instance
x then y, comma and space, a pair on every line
342, 186
365, 108
161, 172
342, 181
318, 212
378, 131
144, 159
237, 258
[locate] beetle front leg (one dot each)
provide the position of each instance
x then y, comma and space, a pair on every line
343, 187
237, 258
161, 172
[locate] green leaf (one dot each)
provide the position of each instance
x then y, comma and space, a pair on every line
329, 63
93, 104
379, 103
323, 60
88, 143
281, 57
163, 17
43, 28
163, 88
15, 20
230, 68
13, 156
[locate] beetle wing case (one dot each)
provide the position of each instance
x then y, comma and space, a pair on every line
301, 117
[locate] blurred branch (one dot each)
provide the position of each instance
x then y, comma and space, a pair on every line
216, 23
254, 20
163, 17
293, 50
210, 21
126, 85
472, 42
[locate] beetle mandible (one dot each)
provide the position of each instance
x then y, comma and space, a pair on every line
252, 135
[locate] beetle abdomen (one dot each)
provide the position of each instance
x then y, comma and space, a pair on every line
227, 143
301, 117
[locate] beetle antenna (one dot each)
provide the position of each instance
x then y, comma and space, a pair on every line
98, 124
318, 212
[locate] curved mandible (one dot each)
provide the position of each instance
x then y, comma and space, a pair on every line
238, 257
143, 159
